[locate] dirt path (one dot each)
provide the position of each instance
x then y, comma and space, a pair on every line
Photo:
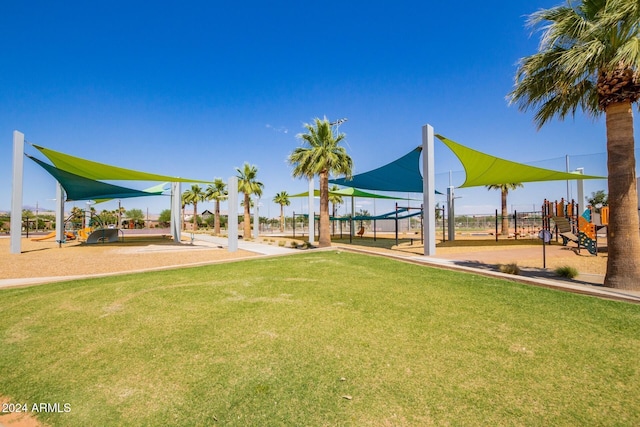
12, 415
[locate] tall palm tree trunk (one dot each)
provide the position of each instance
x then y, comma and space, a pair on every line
282, 218
247, 217
623, 263
216, 219
505, 217
325, 236
195, 216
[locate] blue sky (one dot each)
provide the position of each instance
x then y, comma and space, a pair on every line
195, 89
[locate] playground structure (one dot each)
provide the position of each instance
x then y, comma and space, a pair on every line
68, 236
400, 213
91, 231
570, 226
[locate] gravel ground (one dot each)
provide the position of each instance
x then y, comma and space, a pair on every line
47, 259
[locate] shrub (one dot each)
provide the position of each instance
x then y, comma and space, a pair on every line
511, 268
566, 271
281, 243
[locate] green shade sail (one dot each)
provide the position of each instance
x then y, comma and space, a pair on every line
101, 171
80, 188
484, 169
153, 191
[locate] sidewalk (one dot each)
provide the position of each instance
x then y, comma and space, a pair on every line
259, 248
586, 284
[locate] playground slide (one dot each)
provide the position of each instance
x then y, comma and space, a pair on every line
83, 233
69, 236
45, 237
103, 235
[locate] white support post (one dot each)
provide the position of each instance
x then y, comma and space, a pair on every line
176, 212
60, 196
16, 195
232, 218
582, 204
87, 215
451, 217
428, 190
312, 226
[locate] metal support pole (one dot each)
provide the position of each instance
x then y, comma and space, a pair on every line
232, 219
16, 192
176, 212
451, 217
60, 237
580, 190
422, 224
428, 189
311, 213
396, 223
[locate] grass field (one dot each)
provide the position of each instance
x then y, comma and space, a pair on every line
318, 339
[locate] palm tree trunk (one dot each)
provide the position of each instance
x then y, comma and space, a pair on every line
623, 240
247, 217
325, 236
216, 219
505, 218
282, 218
195, 216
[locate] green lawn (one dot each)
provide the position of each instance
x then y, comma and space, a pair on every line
318, 339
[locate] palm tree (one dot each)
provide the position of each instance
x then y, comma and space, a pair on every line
217, 192
191, 197
588, 59
335, 200
504, 189
248, 185
183, 204
321, 155
283, 200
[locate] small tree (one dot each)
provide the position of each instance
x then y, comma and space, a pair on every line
165, 218
217, 192
504, 189
136, 216
283, 200
335, 200
598, 199
248, 184
192, 197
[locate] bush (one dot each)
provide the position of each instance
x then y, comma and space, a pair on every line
566, 271
511, 268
